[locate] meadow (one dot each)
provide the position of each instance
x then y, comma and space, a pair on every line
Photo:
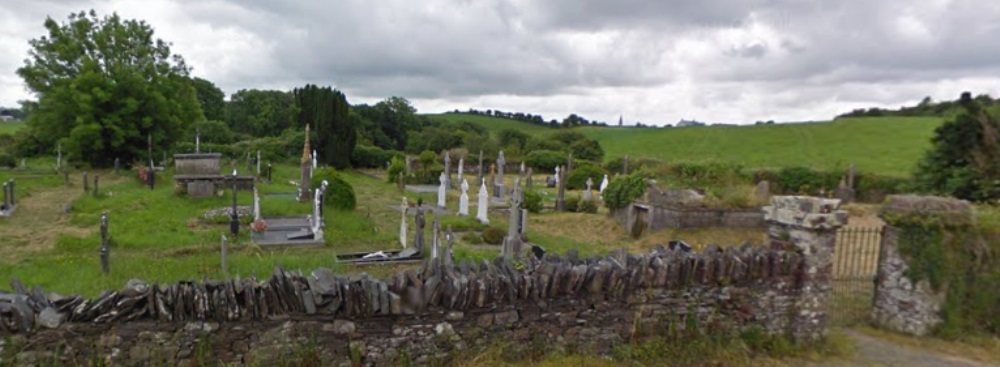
889, 146
10, 127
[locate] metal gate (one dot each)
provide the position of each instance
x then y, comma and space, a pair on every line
855, 267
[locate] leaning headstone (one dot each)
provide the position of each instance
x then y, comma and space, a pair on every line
403, 222
588, 195
225, 250
97, 178
463, 200
86, 183
442, 190
418, 240
484, 204
105, 244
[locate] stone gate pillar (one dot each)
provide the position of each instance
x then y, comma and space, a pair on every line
810, 224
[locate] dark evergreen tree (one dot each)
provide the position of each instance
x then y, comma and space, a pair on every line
327, 112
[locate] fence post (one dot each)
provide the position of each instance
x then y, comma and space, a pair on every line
811, 224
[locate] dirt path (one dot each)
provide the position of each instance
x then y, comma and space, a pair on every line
872, 351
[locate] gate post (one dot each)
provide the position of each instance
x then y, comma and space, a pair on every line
811, 224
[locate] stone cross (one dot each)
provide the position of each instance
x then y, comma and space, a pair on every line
105, 244
561, 199
481, 168
500, 166
484, 204
442, 190
402, 223
588, 195
510, 241
96, 178
225, 250
234, 216
529, 180
86, 182
447, 169
436, 242
418, 240
461, 169
463, 200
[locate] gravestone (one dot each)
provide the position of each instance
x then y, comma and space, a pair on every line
306, 174
558, 168
418, 240
225, 249
442, 190
529, 181
314, 162
588, 194
96, 183
403, 222
234, 216
484, 204
763, 190
256, 205
118, 166
200, 189
499, 190
604, 185
463, 200
435, 242
461, 169
481, 169
447, 170
105, 244
512, 240
86, 182
493, 177
449, 254
561, 199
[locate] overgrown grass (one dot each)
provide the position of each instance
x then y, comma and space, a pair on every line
884, 145
11, 127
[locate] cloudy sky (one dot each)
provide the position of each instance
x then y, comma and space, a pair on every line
654, 61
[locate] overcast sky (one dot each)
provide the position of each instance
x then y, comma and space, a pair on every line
654, 61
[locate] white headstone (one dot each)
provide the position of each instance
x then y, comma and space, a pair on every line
484, 204
522, 168
604, 185
315, 217
587, 195
402, 224
463, 200
442, 190
256, 205
314, 160
557, 176
258, 163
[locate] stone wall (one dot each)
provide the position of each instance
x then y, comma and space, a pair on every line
587, 305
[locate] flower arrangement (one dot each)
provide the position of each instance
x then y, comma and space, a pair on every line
258, 226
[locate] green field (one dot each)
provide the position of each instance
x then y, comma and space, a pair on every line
888, 146
10, 127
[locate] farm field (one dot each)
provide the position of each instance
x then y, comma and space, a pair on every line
10, 127
889, 146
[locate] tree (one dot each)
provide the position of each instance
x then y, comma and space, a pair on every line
965, 159
389, 121
103, 85
212, 100
261, 112
327, 111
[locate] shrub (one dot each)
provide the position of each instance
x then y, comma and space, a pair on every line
573, 203
802, 180
427, 158
211, 132
396, 167
7, 160
339, 193
577, 178
472, 238
532, 201
365, 156
617, 165
623, 190
545, 160
493, 235
588, 149
587, 206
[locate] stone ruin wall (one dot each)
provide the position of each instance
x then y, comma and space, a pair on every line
421, 316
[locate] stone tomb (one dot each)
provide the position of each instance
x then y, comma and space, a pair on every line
297, 231
199, 175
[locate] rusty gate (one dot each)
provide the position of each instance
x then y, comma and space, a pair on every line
855, 268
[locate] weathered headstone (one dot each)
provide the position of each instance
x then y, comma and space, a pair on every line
435, 242
447, 170
501, 162
418, 240
403, 222
513, 224
256, 204
118, 166
529, 181
561, 182
484, 204
442, 190
86, 182
234, 216
481, 169
97, 178
588, 194
763, 190
463, 200
461, 169
105, 244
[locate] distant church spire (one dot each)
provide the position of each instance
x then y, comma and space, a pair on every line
619, 120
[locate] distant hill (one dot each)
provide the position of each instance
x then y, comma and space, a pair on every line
883, 145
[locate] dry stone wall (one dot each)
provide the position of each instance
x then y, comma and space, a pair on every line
417, 316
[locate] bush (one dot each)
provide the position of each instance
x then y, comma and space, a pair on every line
545, 160
617, 165
339, 193
396, 167
577, 179
216, 132
573, 203
623, 190
472, 238
493, 235
427, 158
532, 201
588, 149
7, 160
802, 180
372, 157
587, 206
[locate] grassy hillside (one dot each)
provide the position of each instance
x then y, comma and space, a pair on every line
494, 124
10, 127
889, 145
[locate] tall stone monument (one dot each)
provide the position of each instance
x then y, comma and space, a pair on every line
463, 200
484, 204
461, 169
499, 190
442, 190
402, 222
447, 170
307, 165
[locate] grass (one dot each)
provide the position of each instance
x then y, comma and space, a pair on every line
888, 146
11, 127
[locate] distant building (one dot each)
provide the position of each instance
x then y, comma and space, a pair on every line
6, 118
684, 123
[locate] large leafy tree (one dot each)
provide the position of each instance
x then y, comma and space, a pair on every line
261, 112
103, 85
212, 99
326, 110
388, 122
965, 159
